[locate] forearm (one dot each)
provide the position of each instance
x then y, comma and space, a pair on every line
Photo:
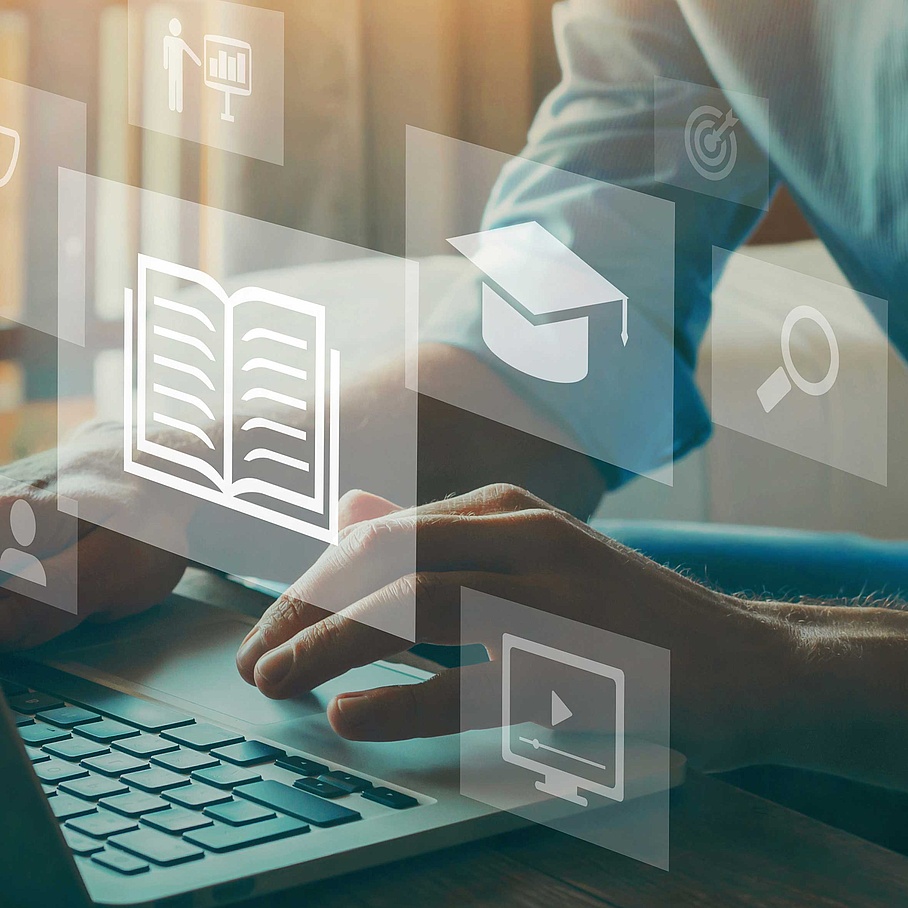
848, 713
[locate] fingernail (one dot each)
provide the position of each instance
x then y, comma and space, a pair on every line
251, 648
276, 665
354, 710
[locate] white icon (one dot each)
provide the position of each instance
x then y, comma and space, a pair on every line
17, 145
228, 69
778, 385
536, 299
594, 772
711, 143
200, 365
560, 711
175, 52
16, 562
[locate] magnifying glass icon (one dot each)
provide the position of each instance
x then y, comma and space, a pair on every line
779, 384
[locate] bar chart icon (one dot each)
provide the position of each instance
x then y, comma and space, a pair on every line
228, 69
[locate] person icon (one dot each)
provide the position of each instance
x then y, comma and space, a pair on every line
175, 49
16, 562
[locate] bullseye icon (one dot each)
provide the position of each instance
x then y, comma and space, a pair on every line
711, 143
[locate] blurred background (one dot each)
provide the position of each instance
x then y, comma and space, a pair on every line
357, 73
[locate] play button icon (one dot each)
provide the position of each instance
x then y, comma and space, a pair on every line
560, 711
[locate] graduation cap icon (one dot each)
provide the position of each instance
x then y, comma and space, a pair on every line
536, 299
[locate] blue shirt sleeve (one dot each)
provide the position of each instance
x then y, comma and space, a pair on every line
600, 123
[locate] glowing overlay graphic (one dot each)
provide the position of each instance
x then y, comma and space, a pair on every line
254, 421
10, 171
566, 770
536, 298
711, 143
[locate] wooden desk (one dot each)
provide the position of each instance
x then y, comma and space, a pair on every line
729, 848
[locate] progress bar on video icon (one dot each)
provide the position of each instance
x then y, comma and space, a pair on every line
538, 745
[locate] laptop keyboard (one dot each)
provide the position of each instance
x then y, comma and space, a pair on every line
137, 786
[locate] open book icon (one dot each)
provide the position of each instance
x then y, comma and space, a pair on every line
237, 397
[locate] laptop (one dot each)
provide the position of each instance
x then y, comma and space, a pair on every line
139, 769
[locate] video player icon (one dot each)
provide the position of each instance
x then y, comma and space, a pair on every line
586, 754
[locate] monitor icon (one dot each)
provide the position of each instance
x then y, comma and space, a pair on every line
228, 69
581, 744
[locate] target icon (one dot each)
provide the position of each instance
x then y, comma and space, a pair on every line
711, 143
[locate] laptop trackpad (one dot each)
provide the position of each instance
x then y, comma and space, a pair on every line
186, 657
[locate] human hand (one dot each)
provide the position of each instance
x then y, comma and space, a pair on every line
730, 659
116, 576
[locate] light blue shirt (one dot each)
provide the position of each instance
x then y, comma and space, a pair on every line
835, 75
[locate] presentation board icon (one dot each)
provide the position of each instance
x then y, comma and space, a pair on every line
233, 412
569, 763
16, 140
228, 69
537, 296
711, 143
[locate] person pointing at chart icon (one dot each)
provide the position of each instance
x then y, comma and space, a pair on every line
175, 49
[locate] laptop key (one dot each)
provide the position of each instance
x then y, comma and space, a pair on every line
75, 749
144, 745
49, 790
134, 804
229, 838
176, 820
21, 720
93, 788
135, 711
164, 850
101, 824
39, 734
390, 798
11, 689
299, 804
184, 760
80, 844
120, 861
301, 765
35, 755
68, 716
196, 796
239, 813
114, 764
154, 780
225, 776
248, 753
32, 702
346, 781
106, 730
56, 771
320, 787
202, 736
65, 807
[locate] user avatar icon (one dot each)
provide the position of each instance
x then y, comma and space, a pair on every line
17, 562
